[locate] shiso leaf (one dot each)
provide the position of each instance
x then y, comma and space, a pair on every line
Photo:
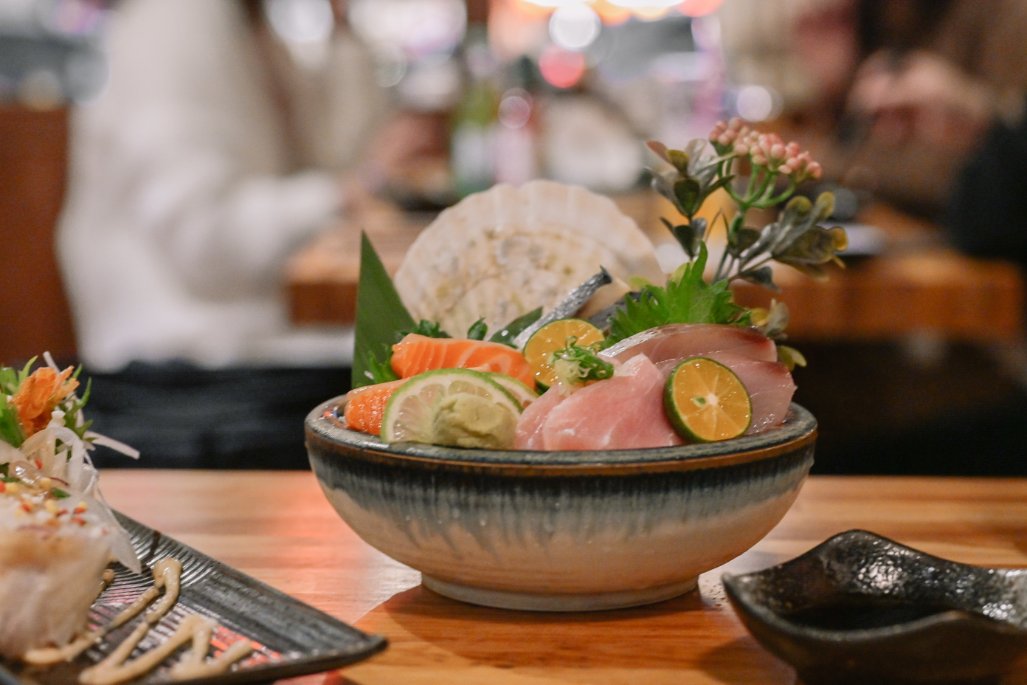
380, 314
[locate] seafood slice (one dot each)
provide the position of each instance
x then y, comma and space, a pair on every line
503, 252
624, 412
681, 340
769, 384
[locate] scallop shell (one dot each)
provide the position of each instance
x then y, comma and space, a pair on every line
503, 252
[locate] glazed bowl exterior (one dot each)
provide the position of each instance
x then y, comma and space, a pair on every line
560, 531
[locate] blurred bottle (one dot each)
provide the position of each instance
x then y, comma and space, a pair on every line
517, 148
473, 127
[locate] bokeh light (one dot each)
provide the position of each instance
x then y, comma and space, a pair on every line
699, 8
561, 68
757, 103
301, 21
515, 108
574, 27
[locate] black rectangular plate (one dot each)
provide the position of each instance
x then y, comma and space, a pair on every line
290, 638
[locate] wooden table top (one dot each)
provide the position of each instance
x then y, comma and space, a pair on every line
279, 528
917, 285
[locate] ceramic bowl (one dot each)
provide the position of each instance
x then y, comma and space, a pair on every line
861, 608
560, 531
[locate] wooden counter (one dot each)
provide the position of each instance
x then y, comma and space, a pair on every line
279, 528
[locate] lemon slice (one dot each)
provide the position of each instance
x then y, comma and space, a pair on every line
455, 407
552, 337
706, 401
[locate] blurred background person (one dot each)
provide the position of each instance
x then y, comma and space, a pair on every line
910, 89
917, 105
214, 150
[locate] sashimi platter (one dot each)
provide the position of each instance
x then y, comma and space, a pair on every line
541, 413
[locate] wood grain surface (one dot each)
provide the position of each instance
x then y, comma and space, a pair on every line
279, 528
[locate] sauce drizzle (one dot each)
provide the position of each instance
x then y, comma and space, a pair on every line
116, 668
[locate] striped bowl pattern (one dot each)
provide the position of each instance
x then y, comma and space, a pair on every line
560, 531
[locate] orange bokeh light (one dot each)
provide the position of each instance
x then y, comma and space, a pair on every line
699, 8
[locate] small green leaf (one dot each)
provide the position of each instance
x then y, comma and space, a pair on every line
478, 330
687, 196
763, 276
790, 357
679, 159
742, 239
824, 207
429, 329
507, 333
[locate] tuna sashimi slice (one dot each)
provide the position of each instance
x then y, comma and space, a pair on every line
532, 419
623, 412
769, 384
682, 340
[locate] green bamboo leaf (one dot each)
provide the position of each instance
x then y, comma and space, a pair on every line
379, 315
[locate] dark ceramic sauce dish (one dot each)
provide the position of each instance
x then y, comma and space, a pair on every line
860, 608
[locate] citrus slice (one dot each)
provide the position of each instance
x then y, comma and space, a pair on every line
706, 401
520, 392
456, 407
552, 337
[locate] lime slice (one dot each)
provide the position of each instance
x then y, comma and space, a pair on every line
552, 337
456, 407
520, 392
706, 401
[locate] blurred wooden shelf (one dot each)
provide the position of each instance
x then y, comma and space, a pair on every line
34, 312
917, 286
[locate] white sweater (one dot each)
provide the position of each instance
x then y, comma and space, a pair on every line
188, 189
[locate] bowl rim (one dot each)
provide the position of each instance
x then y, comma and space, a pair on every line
325, 433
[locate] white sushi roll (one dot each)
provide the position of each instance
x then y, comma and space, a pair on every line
57, 536
49, 577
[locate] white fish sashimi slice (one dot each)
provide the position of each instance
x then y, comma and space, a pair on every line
769, 384
623, 412
680, 341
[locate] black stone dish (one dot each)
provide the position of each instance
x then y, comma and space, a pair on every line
860, 608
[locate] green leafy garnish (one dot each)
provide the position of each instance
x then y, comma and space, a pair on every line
382, 320
576, 365
380, 316
10, 428
687, 298
57, 493
478, 330
757, 171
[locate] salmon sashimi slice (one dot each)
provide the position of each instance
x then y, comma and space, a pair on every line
623, 412
365, 407
417, 353
680, 341
769, 384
